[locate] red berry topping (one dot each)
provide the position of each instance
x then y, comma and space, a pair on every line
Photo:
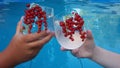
31, 14
71, 25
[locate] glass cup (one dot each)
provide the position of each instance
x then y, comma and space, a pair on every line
65, 41
49, 14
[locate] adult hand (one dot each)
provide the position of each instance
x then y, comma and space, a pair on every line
23, 47
86, 50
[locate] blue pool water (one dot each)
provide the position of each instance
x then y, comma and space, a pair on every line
103, 19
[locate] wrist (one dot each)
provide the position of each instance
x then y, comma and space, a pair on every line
95, 52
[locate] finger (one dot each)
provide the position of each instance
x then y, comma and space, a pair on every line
36, 36
19, 26
74, 52
40, 43
64, 49
53, 33
89, 35
36, 51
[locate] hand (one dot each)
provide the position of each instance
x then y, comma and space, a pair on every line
86, 50
23, 47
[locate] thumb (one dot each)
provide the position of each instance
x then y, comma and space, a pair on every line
89, 35
19, 26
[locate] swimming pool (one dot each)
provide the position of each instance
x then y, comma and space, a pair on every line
102, 18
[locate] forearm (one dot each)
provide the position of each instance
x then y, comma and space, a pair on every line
6, 61
106, 58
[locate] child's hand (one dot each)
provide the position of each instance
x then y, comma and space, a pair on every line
23, 47
87, 49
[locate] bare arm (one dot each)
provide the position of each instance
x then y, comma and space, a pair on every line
106, 58
101, 56
5, 61
23, 47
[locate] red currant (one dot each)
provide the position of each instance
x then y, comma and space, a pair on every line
31, 14
73, 24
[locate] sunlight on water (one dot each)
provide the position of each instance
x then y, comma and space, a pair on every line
102, 18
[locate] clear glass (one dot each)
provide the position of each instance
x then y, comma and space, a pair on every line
49, 13
65, 41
